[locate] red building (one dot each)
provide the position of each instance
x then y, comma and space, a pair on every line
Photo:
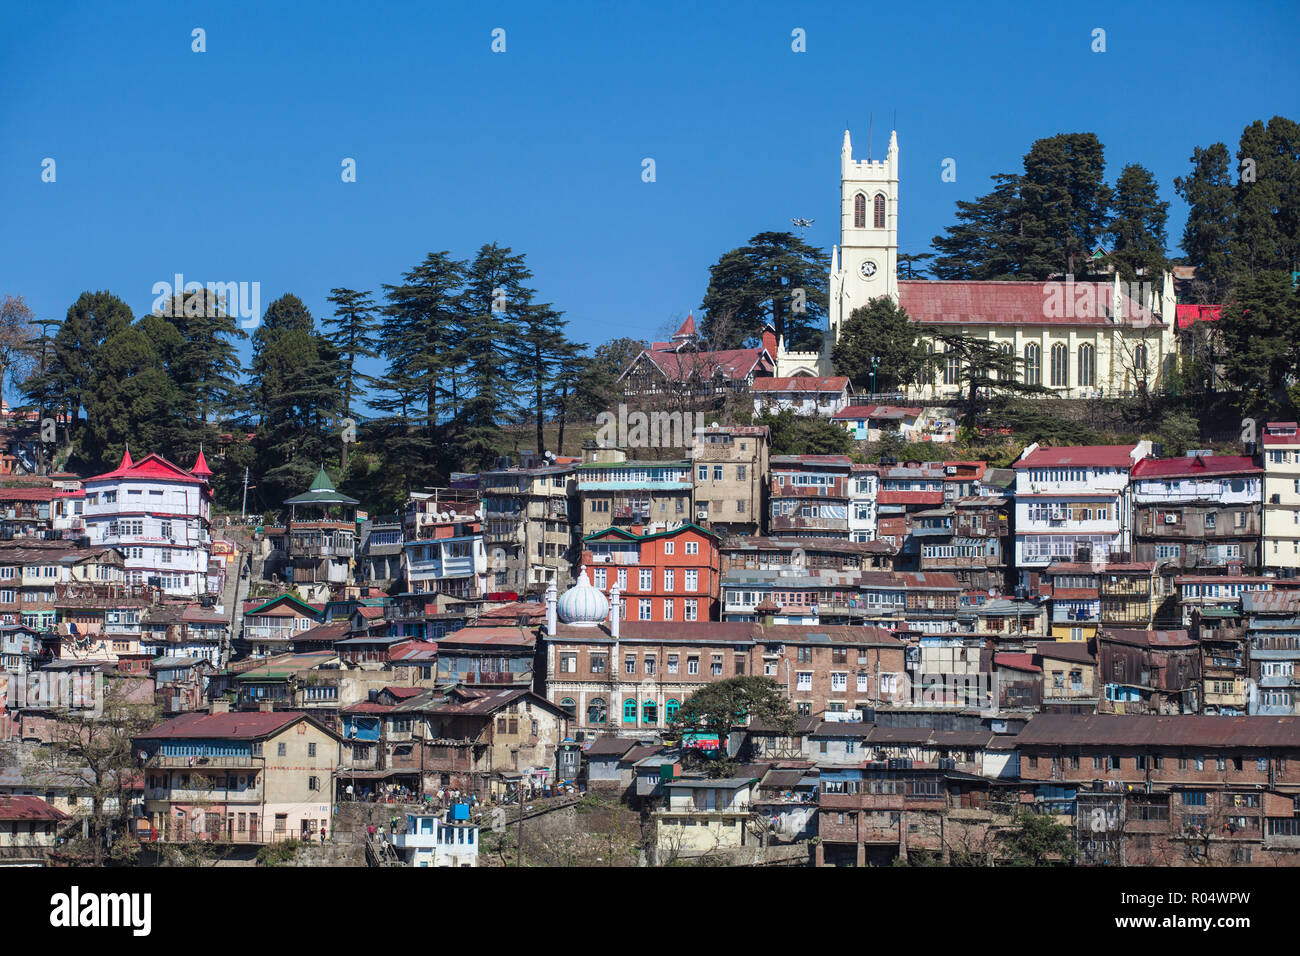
666, 576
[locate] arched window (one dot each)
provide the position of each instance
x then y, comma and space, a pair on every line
951, 368
1140, 361
629, 711
1033, 364
1060, 365
650, 713
880, 212
1006, 349
596, 713
1087, 365
671, 708
569, 706
859, 211
926, 375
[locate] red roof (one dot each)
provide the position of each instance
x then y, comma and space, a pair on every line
1017, 662
1096, 456
201, 468
729, 363
29, 494
1271, 438
243, 725
688, 327
1186, 315
401, 693
25, 809
802, 383
1193, 465
154, 467
1015, 303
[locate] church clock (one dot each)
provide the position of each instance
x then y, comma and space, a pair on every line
868, 268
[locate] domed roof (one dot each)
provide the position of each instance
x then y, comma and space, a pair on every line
583, 604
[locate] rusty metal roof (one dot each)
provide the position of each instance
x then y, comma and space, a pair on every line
1183, 730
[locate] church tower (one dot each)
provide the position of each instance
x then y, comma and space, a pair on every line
865, 264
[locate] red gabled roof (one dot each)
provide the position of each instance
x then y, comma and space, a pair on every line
401, 693
729, 363
688, 327
1196, 465
1017, 662
1097, 456
1270, 438
802, 383
153, 467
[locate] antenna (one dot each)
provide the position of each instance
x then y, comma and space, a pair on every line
870, 124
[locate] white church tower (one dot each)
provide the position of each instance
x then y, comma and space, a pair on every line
864, 266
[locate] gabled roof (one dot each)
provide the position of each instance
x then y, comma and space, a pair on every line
23, 808
965, 302
297, 602
889, 412
1192, 466
150, 468
629, 536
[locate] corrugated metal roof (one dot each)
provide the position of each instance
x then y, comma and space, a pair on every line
1142, 730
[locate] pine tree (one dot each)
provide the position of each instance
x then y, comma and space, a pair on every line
1267, 197
1260, 327
776, 278
1137, 227
207, 369
353, 327
132, 399
91, 321
1211, 221
1064, 201
984, 243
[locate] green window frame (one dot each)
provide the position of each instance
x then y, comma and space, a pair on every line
650, 712
629, 711
671, 708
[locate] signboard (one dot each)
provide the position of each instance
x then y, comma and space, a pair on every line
701, 741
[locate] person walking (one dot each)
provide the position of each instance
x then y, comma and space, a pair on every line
322, 836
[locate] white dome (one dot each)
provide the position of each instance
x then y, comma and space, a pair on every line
583, 604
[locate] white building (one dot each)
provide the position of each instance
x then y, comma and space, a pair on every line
448, 556
1079, 339
158, 515
1281, 539
1073, 501
430, 840
863, 485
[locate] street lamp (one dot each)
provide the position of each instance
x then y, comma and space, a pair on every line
801, 225
875, 363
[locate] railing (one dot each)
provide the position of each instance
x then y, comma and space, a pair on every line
160, 761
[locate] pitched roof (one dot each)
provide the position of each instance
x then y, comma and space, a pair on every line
1017, 662
1096, 456
241, 725
802, 383
152, 467
1188, 315
964, 302
1191, 466
321, 492
1153, 639
890, 412
18, 807
610, 747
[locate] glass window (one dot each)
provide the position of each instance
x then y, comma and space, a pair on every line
629, 711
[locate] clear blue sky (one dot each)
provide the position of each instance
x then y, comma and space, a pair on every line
225, 165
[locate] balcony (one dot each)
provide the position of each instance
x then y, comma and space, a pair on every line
232, 761
796, 523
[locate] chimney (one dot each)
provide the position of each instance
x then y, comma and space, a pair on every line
615, 602
219, 706
265, 706
551, 601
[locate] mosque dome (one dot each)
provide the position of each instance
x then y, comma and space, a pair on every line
583, 604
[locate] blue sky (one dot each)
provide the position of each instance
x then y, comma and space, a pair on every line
225, 165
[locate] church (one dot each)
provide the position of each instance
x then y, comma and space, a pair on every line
1087, 339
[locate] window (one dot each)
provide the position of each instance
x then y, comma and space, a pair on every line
803, 680
596, 711
692, 580
692, 665
669, 583
672, 663
650, 712
629, 665
668, 609
692, 610
859, 211
839, 682
692, 547
649, 665
1194, 798
668, 547
598, 663
715, 665
951, 368
703, 473
1087, 365
1033, 364
311, 750
717, 472
313, 783
569, 706
629, 711
879, 218
671, 708
646, 580
280, 749
568, 663
1060, 365
643, 609
598, 578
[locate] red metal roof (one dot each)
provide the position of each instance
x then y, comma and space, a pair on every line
1148, 730
30, 494
1187, 315
1270, 439
18, 807
930, 302
241, 725
1153, 639
1193, 465
1101, 456
877, 411
152, 467
802, 383
1017, 662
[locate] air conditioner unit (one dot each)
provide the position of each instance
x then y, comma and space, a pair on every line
950, 470
701, 514
1171, 519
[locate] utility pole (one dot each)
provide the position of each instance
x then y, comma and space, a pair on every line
243, 505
